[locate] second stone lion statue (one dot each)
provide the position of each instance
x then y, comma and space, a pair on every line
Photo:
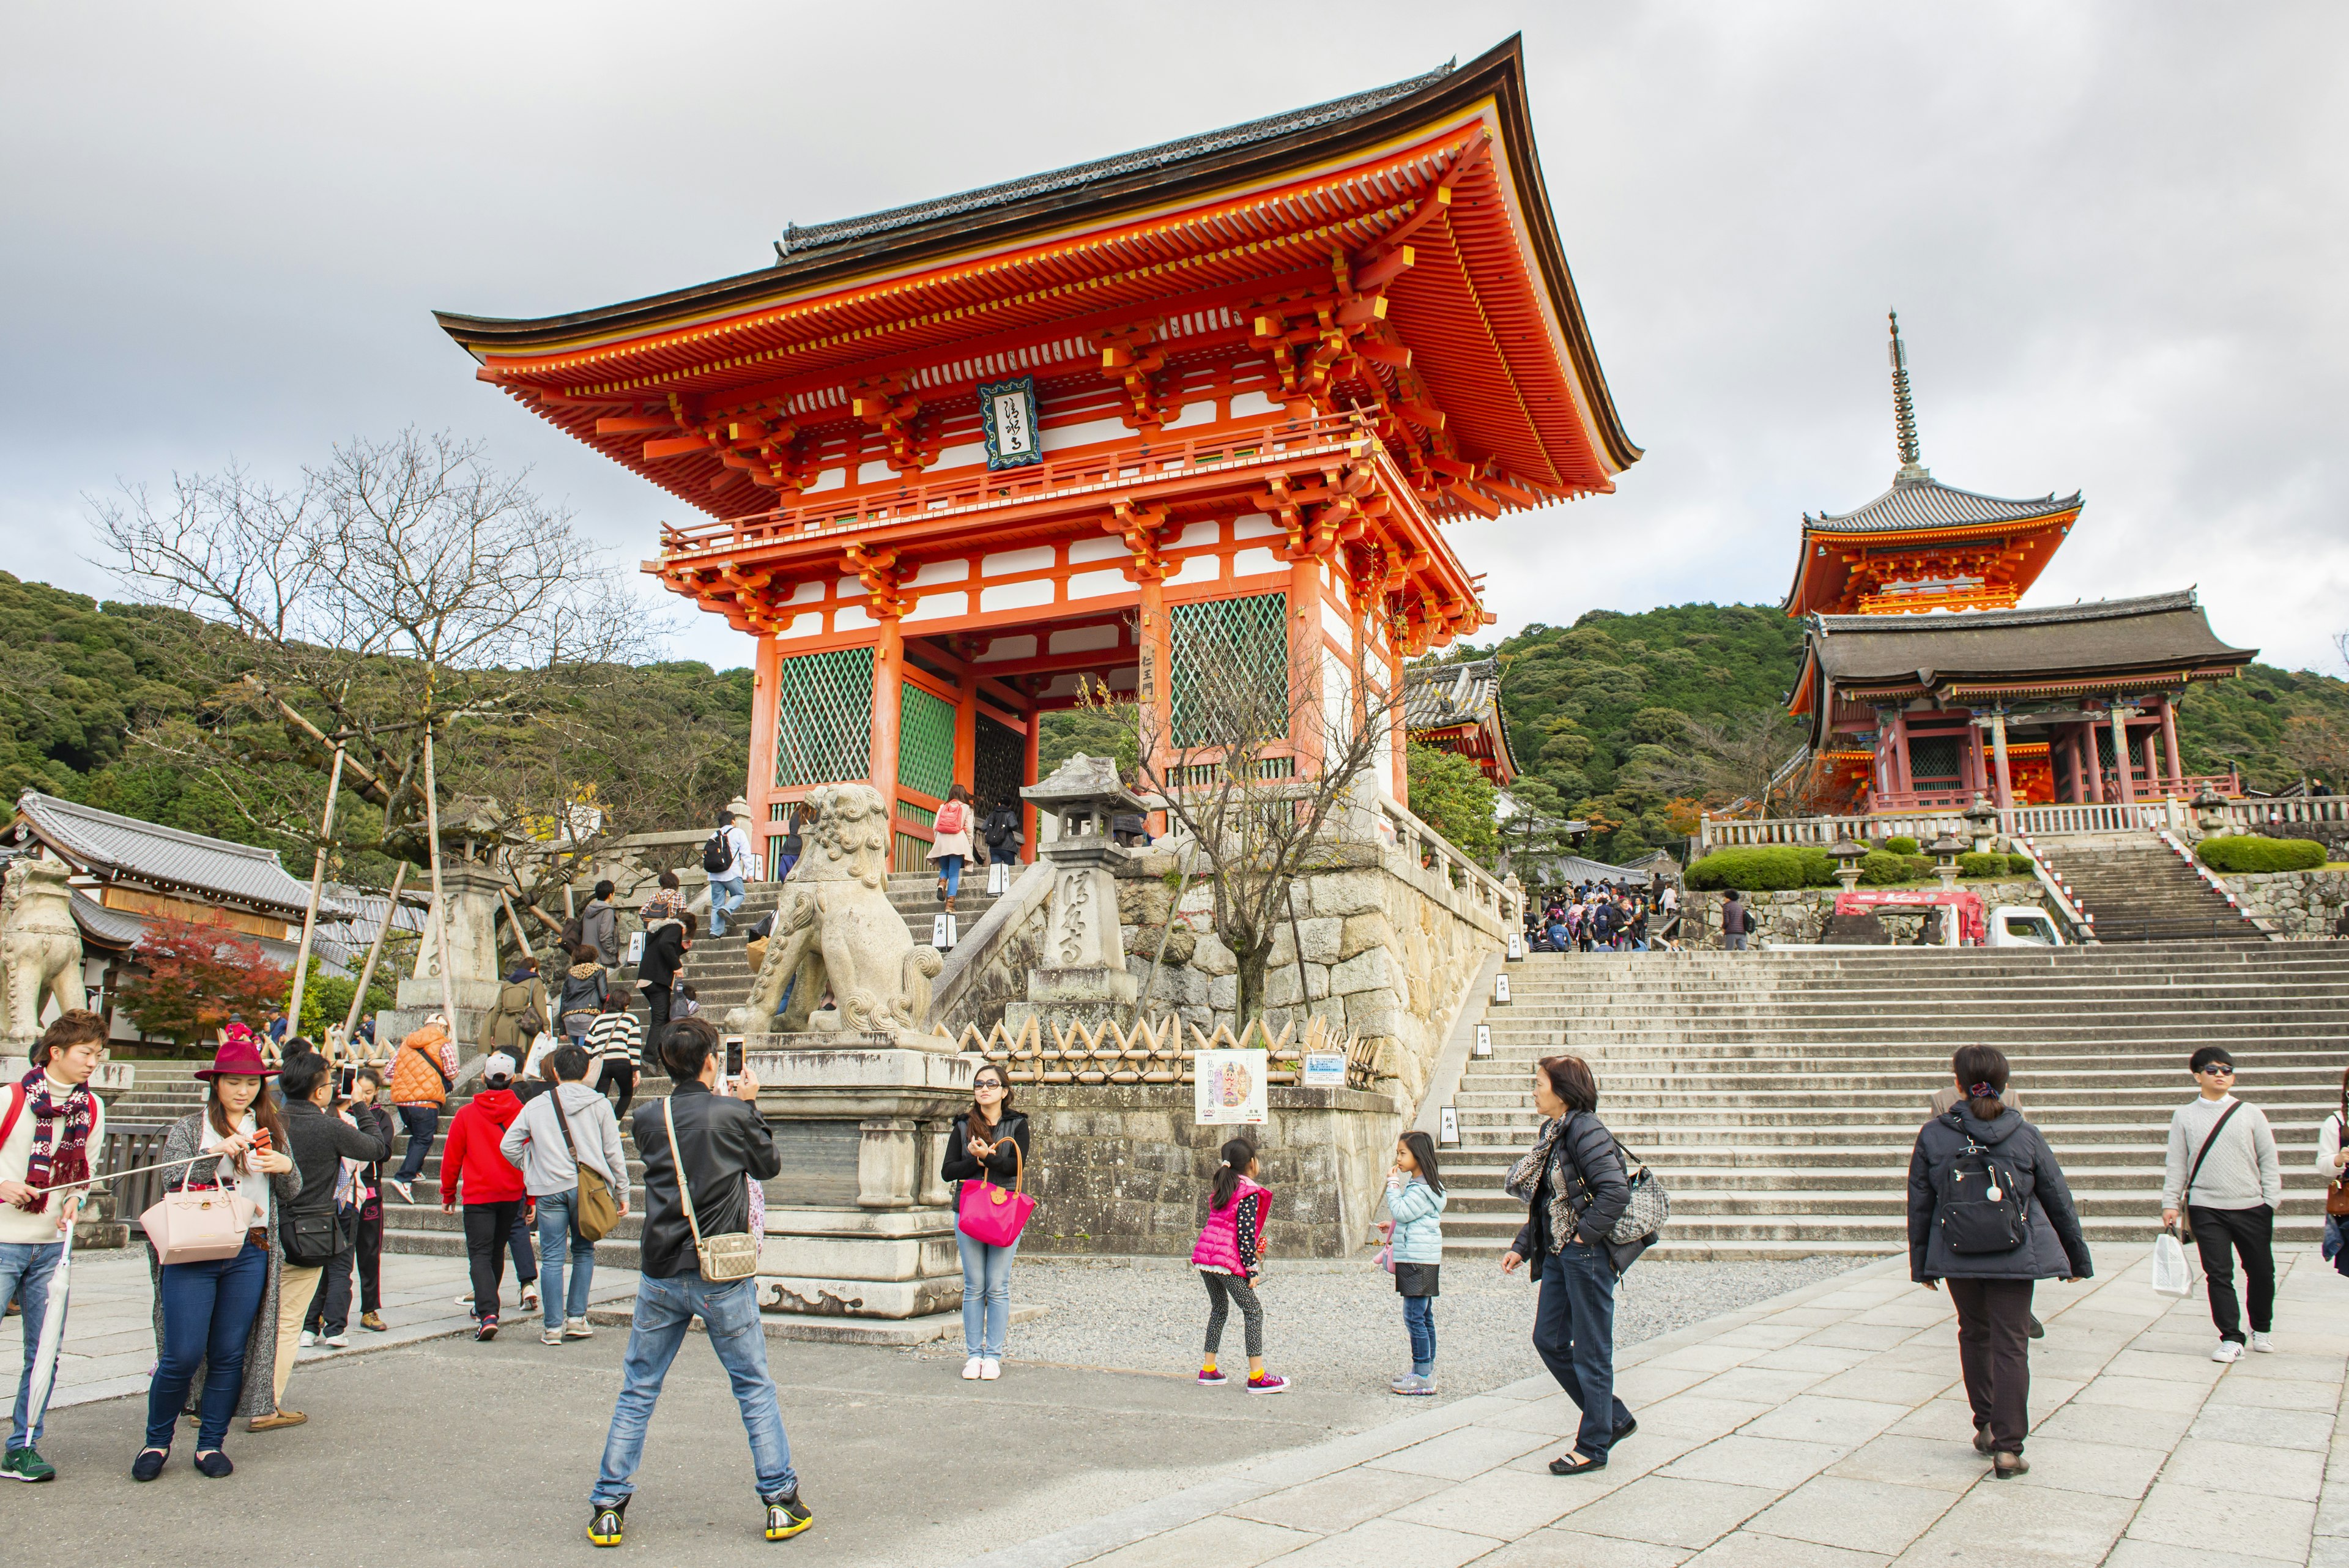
836, 931
40, 946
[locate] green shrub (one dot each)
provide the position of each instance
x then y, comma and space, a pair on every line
2247, 852
1761, 868
2020, 866
1972, 865
1879, 867
1901, 843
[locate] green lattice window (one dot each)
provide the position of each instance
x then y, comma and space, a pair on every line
1932, 757
823, 718
1230, 670
925, 740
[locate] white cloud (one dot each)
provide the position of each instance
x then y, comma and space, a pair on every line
2114, 232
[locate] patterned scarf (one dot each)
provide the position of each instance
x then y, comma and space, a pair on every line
1524, 1178
61, 1129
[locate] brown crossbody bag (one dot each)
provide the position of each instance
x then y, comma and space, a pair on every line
597, 1209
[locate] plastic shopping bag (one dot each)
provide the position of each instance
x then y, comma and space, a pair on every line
2172, 1276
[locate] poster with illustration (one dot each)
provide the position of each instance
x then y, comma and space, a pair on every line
1229, 1087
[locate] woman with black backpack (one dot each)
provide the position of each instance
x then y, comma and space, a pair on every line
1575, 1188
1989, 1212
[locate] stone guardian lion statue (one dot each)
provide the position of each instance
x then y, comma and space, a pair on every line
835, 931
40, 946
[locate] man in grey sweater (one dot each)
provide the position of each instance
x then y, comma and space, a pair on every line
2222, 1170
535, 1141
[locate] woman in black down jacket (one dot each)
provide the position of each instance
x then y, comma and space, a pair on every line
1574, 1187
1960, 1208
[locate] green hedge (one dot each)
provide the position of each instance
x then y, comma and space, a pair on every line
1881, 867
2247, 852
1901, 843
2020, 866
1971, 865
1763, 869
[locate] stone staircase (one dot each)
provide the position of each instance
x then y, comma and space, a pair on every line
718, 971
1778, 1094
2140, 890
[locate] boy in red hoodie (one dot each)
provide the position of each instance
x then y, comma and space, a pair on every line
493, 1189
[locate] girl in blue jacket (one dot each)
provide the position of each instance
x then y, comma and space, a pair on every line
1415, 1197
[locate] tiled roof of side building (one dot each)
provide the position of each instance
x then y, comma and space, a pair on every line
165, 857
118, 931
1141, 160
1915, 504
1435, 696
2158, 632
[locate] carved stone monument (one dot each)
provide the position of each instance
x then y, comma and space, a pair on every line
472, 960
1084, 975
837, 934
40, 946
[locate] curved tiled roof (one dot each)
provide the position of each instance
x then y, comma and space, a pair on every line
1915, 503
2157, 632
797, 241
112, 846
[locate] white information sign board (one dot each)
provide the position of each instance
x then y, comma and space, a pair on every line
1500, 991
1229, 1088
1516, 946
635, 948
1450, 1132
1484, 1040
1325, 1070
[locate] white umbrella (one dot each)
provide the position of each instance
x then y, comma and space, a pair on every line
53, 1333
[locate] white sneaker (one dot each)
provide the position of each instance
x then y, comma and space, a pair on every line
990, 1369
2228, 1351
406, 1193
971, 1369
577, 1328
337, 1341
309, 1339
2262, 1344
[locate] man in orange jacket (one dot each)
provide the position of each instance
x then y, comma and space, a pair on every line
473, 1168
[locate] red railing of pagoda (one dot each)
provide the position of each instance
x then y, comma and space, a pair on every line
2156, 788
976, 490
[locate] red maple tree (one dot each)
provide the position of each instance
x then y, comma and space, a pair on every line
196, 975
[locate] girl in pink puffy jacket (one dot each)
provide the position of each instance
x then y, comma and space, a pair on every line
1229, 1256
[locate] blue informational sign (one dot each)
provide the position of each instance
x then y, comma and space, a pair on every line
1007, 413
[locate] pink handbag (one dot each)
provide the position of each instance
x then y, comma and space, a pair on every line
989, 1214
199, 1226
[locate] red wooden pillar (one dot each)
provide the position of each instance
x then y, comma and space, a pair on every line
888, 693
2174, 765
966, 757
1903, 780
2123, 768
2092, 760
765, 679
1155, 707
2004, 776
1028, 764
1305, 663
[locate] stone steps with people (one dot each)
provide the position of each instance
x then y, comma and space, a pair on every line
1778, 1094
2138, 889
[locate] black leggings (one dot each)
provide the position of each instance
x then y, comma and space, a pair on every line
1222, 1290
616, 1071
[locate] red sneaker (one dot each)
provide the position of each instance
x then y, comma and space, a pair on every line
1212, 1378
1268, 1384
486, 1329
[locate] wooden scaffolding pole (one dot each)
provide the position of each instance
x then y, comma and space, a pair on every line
375, 951
310, 911
440, 894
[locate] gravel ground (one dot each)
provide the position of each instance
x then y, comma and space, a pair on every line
1338, 1325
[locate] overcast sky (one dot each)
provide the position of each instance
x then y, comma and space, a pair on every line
2117, 236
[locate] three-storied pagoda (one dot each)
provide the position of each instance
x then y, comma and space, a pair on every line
1926, 687
1215, 399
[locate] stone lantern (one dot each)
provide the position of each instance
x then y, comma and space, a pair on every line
1083, 971
1847, 855
1981, 823
2209, 811
1945, 851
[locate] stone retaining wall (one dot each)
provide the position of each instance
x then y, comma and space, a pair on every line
1123, 1167
2295, 904
1800, 915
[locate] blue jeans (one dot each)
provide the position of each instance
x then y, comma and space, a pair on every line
950, 873
1419, 1319
783, 864
423, 1125
557, 1299
26, 1266
725, 893
664, 1308
207, 1316
1574, 1331
986, 1295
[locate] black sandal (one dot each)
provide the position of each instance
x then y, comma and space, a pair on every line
1569, 1464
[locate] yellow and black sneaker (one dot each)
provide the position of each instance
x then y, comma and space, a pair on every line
787, 1516
604, 1525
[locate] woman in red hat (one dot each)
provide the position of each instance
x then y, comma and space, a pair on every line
219, 1318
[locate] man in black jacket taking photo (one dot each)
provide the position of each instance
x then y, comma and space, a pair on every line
311, 1232
721, 1145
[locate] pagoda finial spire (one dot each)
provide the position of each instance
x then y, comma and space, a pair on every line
1904, 411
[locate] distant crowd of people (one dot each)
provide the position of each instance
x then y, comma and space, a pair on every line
1602, 917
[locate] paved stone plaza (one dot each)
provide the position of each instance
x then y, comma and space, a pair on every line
1823, 1427
1824, 1430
